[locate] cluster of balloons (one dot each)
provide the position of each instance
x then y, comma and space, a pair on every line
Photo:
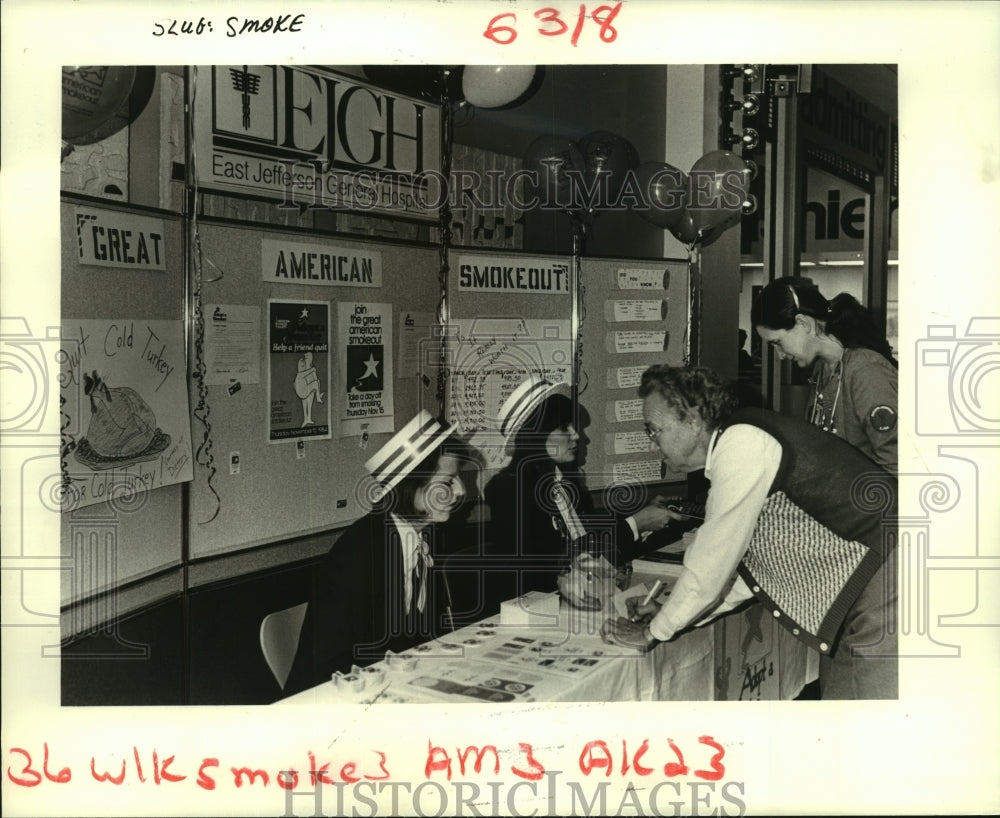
699, 206
602, 171
484, 86
582, 178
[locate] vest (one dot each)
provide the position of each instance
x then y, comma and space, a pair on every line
825, 528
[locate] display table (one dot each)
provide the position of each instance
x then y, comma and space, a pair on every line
757, 659
490, 662
563, 659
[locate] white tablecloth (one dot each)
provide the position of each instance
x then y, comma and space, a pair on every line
548, 662
740, 656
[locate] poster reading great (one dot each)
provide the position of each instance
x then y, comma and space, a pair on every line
123, 389
298, 370
366, 342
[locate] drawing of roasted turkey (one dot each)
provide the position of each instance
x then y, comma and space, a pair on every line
122, 427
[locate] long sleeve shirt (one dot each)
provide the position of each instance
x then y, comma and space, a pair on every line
742, 465
864, 404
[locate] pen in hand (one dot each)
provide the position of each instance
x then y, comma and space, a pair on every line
649, 597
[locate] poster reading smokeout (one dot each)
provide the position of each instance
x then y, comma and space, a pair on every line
365, 332
298, 370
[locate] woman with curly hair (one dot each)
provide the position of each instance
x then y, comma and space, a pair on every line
854, 379
802, 519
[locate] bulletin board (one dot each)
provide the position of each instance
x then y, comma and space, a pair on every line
122, 331
510, 316
311, 357
635, 314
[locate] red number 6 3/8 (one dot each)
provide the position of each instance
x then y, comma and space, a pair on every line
554, 25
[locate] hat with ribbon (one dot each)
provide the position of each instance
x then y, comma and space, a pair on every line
407, 449
523, 401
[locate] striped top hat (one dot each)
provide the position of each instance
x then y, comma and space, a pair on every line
407, 449
523, 401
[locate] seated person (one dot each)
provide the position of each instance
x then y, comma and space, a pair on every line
378, 588
541, 513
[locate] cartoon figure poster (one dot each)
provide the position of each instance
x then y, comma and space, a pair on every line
366, 341
124, 417
298, 371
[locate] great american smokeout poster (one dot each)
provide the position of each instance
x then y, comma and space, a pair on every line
503, 274
365, 331
296, 262
125, 424
298, 370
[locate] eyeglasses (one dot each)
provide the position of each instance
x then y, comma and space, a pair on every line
652, 432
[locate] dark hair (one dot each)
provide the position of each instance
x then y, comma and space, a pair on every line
691, 391
843, 317
400, 498
554, 412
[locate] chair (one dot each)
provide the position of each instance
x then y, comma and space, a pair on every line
279, 640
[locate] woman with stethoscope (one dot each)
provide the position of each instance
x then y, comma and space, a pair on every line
854, 379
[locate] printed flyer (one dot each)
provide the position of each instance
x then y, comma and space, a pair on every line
365, 335
232, 345
298, 370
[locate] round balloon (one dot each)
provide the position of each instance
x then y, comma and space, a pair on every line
492, 86
550, 160
127, 113
718, 185
664, 187
607, 159
685, 230
688, 231
92, 95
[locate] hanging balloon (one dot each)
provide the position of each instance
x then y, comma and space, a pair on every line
492, 86
92, 95
718, 186
664, 187
685, 230
434, 83
550, 161
127, 113
607, 159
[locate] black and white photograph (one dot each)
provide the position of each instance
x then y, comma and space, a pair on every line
641, 365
